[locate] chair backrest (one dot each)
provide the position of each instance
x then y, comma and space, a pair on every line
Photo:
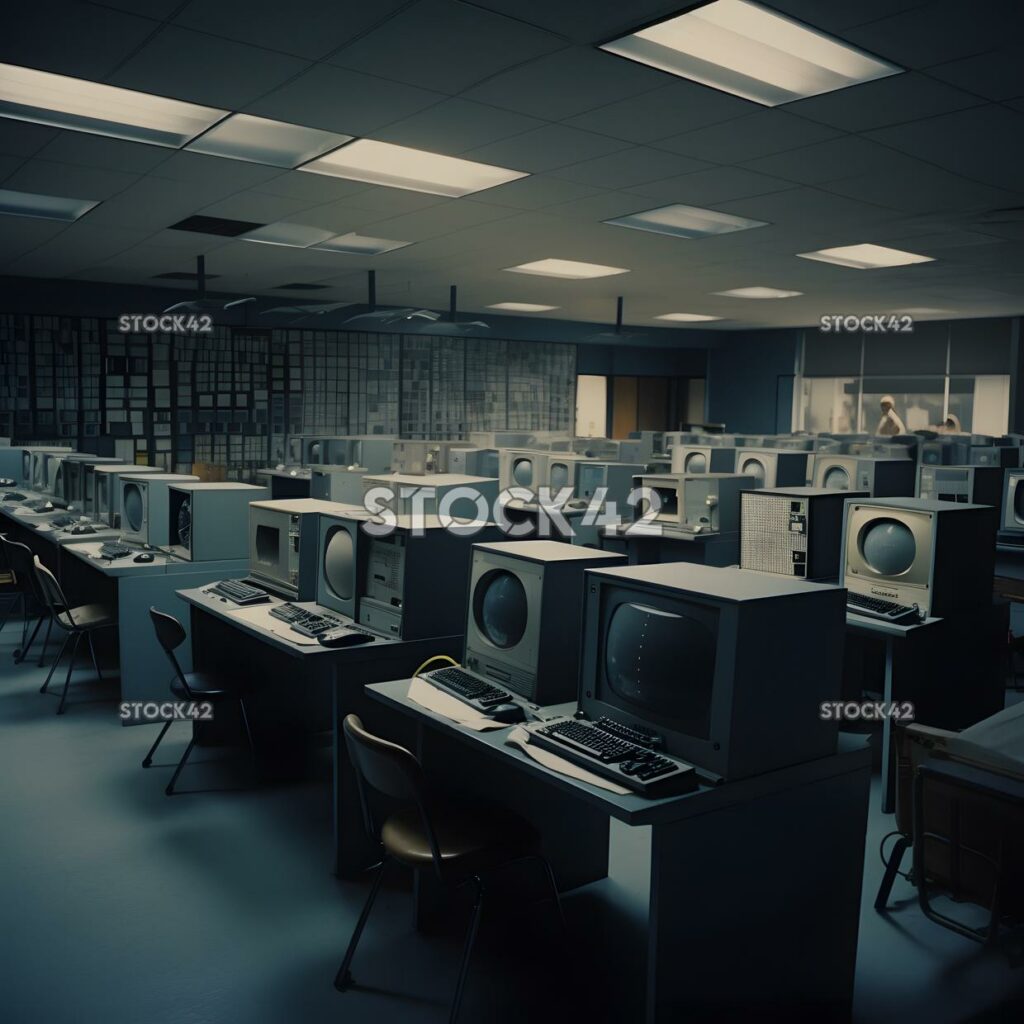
170, 634
392, 771
53, 596
20, 559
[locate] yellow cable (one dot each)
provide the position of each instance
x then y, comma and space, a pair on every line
431, 660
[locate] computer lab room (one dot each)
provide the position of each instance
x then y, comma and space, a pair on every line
512, 512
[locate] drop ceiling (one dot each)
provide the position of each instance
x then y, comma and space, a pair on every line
928, 161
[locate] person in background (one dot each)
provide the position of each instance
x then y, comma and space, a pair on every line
890, 423
951, 425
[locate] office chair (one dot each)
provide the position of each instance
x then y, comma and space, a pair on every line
194, 686
9, 588
76, 621
462, 845
21, 562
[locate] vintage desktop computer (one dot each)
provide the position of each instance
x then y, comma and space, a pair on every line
474, 461
417, 458
973, 485
430, 494
721, 668
206, 522
374, 451
597, 448
499, 439
105, 503
1002, 456
945, 451
696, 502
615, 478
143, 503
337, 483
773, 467
283, 538
414, 583
34, 463
793, 531
16, 463
341, 549
1012, 515
312, 449
936, 555
525, 607
78, 473
523, 467
881, 478
703, 458
651, 443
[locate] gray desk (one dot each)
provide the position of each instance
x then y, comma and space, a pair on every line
739, 902
306, 689
646, 546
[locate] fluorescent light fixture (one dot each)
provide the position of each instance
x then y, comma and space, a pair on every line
383, 163
83, 106
685, 221
360, 245
865, 257
28, 204
262, 141
687, 318
569, 270
759, 292
298, 236
522, 307
750, 51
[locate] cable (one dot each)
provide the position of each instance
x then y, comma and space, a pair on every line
431, 660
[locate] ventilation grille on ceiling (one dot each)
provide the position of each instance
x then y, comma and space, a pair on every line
216, 226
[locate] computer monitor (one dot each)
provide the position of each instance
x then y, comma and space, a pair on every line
729, 668
499, 439
373, 453
881, 478
143, 503
16, 463
414, 585
975, 485
772, 467
938, 555
652, 442
311, 451
78, 472
522, 467
407, 494
703, 458
525, 605
341, 558
337, 483
1013, 503
615, 479
420, 457
207, 521
695, 502
597, 448
283, 545
474, 461
562, 471
104, 505
1002, 456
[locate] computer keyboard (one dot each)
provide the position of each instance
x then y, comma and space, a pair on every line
467, 688
597, 748
14, 496
112, 549
60, 521
239, 592
317, 626
886, 611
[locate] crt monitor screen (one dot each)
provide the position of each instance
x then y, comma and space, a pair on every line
1017, 498
133, 506
339, 563
522, 471
267, 545
656, 660
501, 608
836, 477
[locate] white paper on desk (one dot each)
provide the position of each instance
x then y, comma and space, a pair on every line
260, 616
521, 738
430, 697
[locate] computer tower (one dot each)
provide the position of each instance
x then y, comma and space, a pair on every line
938, 555
695, 502
614, 478
703, 458
438, 493
974, 485
414, 586
144, 502
208, 521
419, 457
522, 467
727, 668
105, 503
283, 545
772, 467
881, 478
525, 607
341, 551
474, 462
793, 531
337, 483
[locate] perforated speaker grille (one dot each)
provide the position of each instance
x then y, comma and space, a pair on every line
767, 543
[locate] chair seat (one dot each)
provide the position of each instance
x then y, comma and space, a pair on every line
88, 616
470, 837
204, 686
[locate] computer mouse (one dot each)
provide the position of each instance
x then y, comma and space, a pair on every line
508, 714
145, 556
48, 506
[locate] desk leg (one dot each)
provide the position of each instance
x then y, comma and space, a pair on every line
888, 754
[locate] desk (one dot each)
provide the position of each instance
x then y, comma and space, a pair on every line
45, 543
301, 689
748, 902
645, 545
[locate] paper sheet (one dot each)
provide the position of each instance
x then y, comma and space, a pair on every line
430, 697
259, 615
520, 737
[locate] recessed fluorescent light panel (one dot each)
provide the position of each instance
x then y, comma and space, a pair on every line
83, 106
28, 204
569, 270
262, 141
687, 318
522, 307
383, 163
297, 236
758, 292
865, 257
360, 245
747, 50
685, 222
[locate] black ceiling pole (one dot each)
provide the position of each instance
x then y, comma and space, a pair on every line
452, 292
201, 275
618, 314
371, 289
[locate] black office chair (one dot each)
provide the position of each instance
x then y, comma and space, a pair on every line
75, 621
194, 686
461, 844
29, 597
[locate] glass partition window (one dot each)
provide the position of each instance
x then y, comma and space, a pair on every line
829, 405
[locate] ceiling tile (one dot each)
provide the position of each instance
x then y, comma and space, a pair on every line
259, 207
232, 175
442, 219
712, 186
205, 69
19, 138
534, 193
629, 167
445, 45
546, 148
49, 178
97, 151
316, 188
833, 17
995, 75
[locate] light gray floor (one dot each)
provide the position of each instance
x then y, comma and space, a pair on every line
118, 904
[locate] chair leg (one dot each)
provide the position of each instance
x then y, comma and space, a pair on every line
248, 731
56, 662
169, 790
554, 891
46, 641
891, 870
474, 926
67, 678
343, 979
20, 655
92, 651
148, 759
